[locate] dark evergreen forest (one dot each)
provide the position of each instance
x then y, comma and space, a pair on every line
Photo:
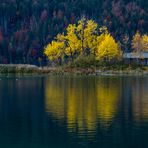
26, 26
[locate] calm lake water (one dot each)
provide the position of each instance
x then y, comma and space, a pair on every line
74, 112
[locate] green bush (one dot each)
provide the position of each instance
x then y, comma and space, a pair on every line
84, 62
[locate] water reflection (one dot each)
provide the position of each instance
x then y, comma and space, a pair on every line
85, 103
82, 112
21, 111
139, 94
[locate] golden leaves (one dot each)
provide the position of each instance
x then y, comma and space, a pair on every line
139, 42
83, 38
108, 48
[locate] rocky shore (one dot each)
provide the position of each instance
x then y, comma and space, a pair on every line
23, 69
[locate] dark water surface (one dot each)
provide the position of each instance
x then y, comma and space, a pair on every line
74, 112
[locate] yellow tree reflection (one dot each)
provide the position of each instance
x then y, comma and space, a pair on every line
108, 94
83, 102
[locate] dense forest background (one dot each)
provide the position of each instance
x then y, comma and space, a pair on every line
26, 26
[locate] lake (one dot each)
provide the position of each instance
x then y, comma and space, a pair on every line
73, 112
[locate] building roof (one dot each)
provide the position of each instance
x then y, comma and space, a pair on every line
133, 55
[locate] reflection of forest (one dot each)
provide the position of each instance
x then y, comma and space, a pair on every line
107, 110
140, 99
134, 102
21, 109
84, 102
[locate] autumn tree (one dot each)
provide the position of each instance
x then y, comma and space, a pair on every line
55, 49
137, 42
72, 42
87, 34
108, 49
42, 20
145, 43
78, 39
85, 39
140, 44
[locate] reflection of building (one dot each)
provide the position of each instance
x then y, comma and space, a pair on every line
134, 103
140, 99
82, 102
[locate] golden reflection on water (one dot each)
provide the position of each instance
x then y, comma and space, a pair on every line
85, 103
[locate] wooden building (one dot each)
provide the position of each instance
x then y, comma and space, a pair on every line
139, 58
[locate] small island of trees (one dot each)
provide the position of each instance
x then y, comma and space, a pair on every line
87, 40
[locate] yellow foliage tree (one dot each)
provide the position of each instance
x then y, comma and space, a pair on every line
83, 39
78, 39
103, 33
137, 42
108, 49
145, 43
72, 41
140, 44
54, 50
87, 34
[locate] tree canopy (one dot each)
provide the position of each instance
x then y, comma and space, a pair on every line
26, 26
84, 38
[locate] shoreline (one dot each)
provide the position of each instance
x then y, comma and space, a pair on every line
22, 69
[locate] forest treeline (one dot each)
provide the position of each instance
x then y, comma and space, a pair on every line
27, 26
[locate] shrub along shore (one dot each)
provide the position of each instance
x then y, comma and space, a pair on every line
21, 69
